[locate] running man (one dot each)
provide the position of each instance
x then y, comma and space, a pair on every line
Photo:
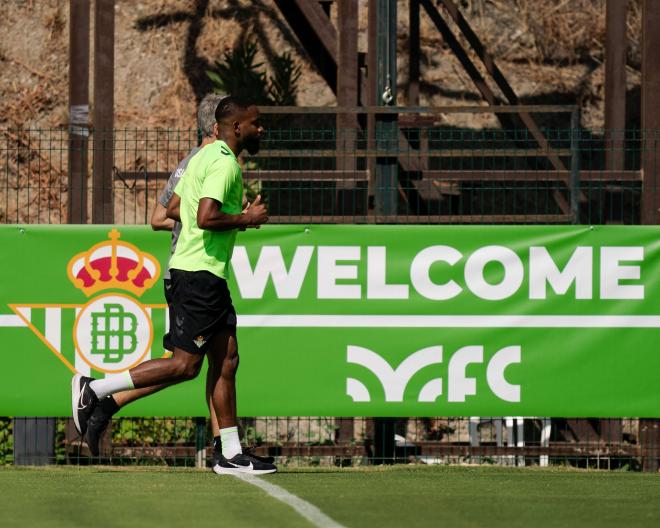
111, 404
204, 319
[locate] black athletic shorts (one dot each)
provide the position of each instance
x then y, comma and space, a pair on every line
201, 307
167, 342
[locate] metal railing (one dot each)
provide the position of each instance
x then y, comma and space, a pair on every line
420, 171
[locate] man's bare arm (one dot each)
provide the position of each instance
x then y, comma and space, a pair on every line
209, 216
174, 208
159, 220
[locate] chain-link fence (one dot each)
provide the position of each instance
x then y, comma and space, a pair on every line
375, 168
625, 444
309, 171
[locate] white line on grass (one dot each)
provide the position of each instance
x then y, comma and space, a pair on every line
304, 508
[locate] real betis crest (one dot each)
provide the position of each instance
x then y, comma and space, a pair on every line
113, 331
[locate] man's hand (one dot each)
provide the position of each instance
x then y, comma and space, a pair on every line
210, 216
256, 213
246, 206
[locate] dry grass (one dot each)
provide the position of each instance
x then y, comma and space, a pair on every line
543, 31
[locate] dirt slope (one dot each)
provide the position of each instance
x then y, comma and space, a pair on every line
551, 52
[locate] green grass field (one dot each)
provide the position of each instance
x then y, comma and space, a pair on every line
373, 497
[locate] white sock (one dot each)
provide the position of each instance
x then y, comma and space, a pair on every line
112, 384
231, 445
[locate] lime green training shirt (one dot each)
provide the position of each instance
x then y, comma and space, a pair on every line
214, 173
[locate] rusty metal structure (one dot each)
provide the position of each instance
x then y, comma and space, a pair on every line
369, 79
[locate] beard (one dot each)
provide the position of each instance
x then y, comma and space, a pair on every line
252, 145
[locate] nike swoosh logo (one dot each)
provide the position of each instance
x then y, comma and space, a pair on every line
81, 403
250, 467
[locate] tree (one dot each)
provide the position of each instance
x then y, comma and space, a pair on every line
238, 73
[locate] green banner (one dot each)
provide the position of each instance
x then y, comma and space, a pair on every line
352, 320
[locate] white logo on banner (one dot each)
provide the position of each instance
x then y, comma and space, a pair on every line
459, 385
394, 381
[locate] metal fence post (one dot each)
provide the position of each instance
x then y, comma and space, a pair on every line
34, 441
200, 442
386, 180
384, 444
649, 439
575, 166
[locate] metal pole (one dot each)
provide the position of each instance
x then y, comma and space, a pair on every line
575, 166
386, 181
104, 63
372, 98
78, 110
200, 442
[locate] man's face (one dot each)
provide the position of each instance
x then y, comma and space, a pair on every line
251, 129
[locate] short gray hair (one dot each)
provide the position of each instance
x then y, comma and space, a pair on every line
206, 113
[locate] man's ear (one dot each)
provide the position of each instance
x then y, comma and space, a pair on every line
216, 130
237, 128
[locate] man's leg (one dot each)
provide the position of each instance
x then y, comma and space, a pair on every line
215, 427
111, 404
223, 365
211, 380
108, 407
221, 384
86, 392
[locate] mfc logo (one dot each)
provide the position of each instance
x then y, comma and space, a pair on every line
394, 381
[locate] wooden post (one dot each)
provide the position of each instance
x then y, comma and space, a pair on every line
104, 62
650, 111
347, 62
347, 89
615, 84
413, 53
78, 110
414, 75
311, 24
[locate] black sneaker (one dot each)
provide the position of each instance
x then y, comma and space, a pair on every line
98, 422
217, 455
83, 402
250, 452
243, 464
